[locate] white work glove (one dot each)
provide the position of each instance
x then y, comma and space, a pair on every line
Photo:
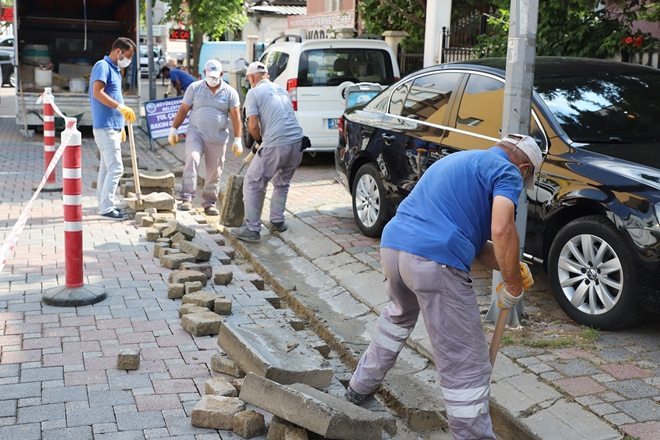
237, 146
127, 113
123, 135
527, 279
249, 157
173, 137
505, 300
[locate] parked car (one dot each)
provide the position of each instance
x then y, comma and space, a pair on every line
316, 74
594, 212
159, 60
7, 61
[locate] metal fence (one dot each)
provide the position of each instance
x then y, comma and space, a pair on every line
410, 60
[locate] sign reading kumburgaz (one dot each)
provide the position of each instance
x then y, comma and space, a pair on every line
160, 114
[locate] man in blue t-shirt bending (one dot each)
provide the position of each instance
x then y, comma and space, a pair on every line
180, 80
460, 203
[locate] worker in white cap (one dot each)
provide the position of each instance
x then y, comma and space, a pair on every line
211, 103
462, 209
273, 124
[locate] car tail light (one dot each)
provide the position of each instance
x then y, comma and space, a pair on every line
340, 126
292, 88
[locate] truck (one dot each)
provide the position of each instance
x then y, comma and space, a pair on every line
57, 44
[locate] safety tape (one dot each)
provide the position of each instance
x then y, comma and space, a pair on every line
10, 241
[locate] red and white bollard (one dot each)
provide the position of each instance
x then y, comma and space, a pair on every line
49, 140
74, 293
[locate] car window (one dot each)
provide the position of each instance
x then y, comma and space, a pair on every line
481, 106
331, 67
398, 98
429, 96
9, 42
276, 64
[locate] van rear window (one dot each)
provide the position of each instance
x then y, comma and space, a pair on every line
331, 67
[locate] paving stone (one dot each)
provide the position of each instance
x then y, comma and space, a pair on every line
174, 227
616, 354
201, 267
31, 431
128, 359
568, 420
219, 386
129, 421
216, 412
123, 381
219, 239
229, 251
602, 378
163, 217
202, 299
186, 309
175, 290
152, 234
156, 180
625, 371
256, 281
642, 410
178, 238
182, 276
249, 424
297, 324
579, 386
277, 428
83, 416
603, 408
19, 391
40, 413
201, 252
223, 277
79, 433
173, 261
8, 408
588, 400
610, 397
159, 200
238, 383
151, 211
201, 324
42, 374
148, 221
305, 406
192, 286
222, 306
551, 376
159, 249
619, 418
575, 367
642, 431
266, 351
222, 364
633, 388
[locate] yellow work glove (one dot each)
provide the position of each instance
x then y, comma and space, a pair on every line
505, 300
127, 113
527, 280
173, 137
237, 146
123, 135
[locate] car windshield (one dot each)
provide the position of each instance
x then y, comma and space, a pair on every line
605, 107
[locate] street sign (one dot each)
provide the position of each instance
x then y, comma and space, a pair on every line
180, 34
160, 114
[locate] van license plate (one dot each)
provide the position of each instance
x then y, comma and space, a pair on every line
333, 124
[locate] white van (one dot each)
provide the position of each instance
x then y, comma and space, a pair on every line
316, 74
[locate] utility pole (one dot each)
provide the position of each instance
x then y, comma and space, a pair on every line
150, 50
438, 15
519, 84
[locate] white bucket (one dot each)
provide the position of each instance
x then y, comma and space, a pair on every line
77, 85
43, 77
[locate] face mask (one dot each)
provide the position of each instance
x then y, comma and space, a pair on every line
212, 82
123, 62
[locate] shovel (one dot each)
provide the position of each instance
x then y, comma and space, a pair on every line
136, 175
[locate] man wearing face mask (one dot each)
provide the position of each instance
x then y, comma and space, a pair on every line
211, 103
108, 117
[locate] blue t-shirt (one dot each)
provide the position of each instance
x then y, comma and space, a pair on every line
447, 216
103, 116
183, 77
272, 104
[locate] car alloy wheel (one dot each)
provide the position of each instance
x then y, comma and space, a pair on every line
591, 267
370, 207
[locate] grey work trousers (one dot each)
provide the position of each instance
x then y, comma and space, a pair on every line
111, 167
214, 158
449, 307
270, 163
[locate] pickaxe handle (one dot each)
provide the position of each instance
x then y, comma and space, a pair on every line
497, 334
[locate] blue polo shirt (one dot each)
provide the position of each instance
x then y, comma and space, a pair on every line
184, 78
103, 116
447, 216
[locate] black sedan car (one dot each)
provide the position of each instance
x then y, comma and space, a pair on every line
594, 213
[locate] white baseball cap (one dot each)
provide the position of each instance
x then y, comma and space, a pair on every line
527, 145
256, 67
213, 68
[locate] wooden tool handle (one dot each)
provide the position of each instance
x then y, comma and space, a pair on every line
136, 175
497, 334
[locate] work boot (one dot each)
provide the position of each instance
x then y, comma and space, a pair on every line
243, 233
211, 210
354, 397
278, 226
185, 206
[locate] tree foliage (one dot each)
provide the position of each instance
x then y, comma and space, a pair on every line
395, 15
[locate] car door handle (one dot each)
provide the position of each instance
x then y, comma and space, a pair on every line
388, 137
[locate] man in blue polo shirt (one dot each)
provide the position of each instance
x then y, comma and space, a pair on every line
180, 80
460, 203
108, 117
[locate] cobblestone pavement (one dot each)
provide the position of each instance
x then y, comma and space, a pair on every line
57, 375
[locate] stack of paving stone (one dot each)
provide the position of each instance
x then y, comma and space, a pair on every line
157, 190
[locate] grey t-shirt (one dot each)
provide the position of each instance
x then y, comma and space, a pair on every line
210, 111
271, 103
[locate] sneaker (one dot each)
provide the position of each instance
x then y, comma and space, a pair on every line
115, 214
243, 233
354, 397
278, 227
185, 206
211, 210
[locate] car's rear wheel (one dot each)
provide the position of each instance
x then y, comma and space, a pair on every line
370, 207
12, 78
592, 274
